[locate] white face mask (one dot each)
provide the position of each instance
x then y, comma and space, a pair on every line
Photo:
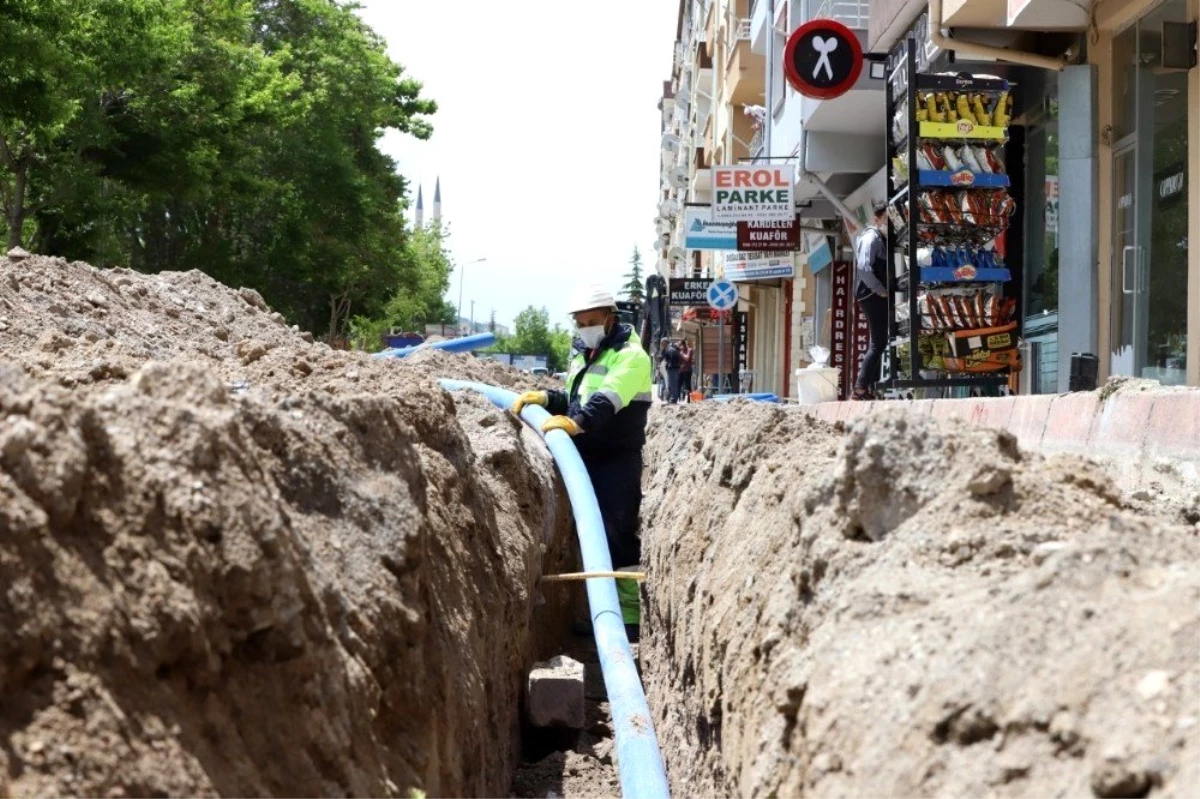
592, 336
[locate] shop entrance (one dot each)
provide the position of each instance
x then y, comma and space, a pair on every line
1150, 204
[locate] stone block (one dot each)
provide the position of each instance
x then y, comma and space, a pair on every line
555, 694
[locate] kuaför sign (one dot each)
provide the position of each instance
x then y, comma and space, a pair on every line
747, 193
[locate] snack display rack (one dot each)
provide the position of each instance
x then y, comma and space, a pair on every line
949, 204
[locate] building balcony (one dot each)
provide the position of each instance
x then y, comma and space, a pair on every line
700, 189
758, 26
889, 19
1039, 15
745, 71
742, 132
854, 14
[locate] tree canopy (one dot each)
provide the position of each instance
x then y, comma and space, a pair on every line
532, 335
236, 137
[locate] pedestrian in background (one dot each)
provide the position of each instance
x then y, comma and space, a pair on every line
674, 362
685, 370
870, 290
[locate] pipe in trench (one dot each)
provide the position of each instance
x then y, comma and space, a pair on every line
640, 765
479, 341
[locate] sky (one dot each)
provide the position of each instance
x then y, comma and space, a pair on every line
546, 138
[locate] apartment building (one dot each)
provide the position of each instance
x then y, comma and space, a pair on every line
714, 109
1104, 150
727, 103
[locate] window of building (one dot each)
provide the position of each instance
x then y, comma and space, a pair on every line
1041, 250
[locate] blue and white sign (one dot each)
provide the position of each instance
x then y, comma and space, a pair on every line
701, 233
722, 295
744, 266
819, 254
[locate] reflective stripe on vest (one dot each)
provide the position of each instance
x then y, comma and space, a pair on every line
621, 376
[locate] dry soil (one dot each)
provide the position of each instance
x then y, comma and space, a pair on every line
237, 562
908, 609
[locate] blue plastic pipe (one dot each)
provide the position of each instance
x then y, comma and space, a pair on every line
752, 397
639, 761
480, 341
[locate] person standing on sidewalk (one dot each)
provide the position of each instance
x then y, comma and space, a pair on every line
674, 363
685, 370
870, 290
604, 409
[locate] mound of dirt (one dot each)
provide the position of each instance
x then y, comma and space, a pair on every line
909, 609
82, 327
237, 562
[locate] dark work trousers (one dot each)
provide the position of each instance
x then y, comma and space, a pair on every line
685, 385
672, 385
876, 310
617, 479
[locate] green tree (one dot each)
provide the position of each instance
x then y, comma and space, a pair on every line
560, 349
532, 335
238, 137
634, 288
425, 270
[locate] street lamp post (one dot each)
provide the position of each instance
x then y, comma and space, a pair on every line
461, 274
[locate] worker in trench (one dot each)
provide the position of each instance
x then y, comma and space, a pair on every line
604, 409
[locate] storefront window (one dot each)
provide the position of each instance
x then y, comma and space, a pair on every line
1150, 223
1041, 251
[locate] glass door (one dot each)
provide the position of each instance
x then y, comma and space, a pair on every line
1150, 235
1130, 306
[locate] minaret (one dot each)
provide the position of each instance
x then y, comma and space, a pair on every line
420, 208
437, 200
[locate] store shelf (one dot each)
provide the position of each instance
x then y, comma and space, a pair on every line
963, 274
961, 83
964, 179
964, 380
948, 234
961, 129
917, 190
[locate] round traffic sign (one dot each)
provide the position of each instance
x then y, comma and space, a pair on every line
722, 295
823, 59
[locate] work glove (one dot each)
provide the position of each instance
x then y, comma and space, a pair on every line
530, 398
564, 423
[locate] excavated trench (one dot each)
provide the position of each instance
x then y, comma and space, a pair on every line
236, 562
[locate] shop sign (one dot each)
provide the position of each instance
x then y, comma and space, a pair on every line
684, 292
749, 193
1051, 203
742, 337
822, 59
745, 266
819, 253
849, 331
768, 236
1169, 187
702, 233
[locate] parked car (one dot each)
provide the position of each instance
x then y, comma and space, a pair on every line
539, 371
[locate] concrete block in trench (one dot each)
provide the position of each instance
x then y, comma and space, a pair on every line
555, 695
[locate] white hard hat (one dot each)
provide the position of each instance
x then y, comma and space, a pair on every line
590, 297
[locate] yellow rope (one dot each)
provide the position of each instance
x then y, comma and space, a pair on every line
563, 578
